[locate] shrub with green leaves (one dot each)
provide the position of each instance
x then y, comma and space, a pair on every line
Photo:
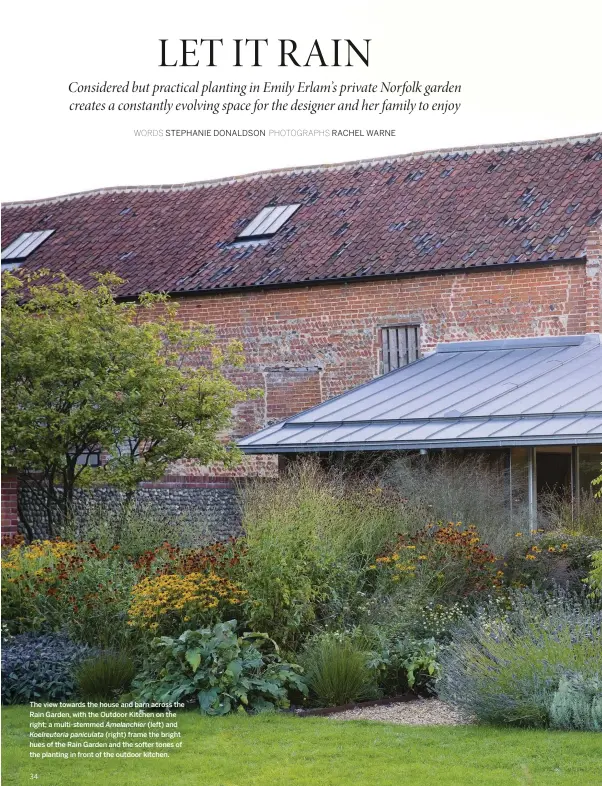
338, 670
219, 671
105, 677
406, 664
595, 575
547, 559
505, 667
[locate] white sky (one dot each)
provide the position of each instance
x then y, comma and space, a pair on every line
529, 70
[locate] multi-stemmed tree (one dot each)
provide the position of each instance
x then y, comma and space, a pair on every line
85, 376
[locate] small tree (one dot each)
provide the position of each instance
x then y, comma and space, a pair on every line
85, 375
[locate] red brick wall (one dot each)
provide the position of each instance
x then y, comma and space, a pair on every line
10, 517
593, 283
290, 390
306, 344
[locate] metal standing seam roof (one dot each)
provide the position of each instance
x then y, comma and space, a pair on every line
523, 391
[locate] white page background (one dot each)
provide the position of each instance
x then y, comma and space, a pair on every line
529, 70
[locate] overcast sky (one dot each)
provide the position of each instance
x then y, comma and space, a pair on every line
528, 70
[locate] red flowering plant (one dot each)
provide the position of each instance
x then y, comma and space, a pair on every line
447, 560
59, 584
221, 558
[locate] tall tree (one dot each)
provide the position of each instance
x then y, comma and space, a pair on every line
84, 375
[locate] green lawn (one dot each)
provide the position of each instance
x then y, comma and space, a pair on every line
277, 750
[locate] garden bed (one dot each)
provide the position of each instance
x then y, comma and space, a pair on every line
332, 598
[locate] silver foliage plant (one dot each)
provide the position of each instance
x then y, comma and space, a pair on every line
577, 704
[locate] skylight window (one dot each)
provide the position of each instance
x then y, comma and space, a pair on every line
268, 222
22, 247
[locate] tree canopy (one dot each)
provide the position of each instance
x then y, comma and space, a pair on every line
86, 376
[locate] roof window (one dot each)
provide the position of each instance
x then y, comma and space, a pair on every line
21, 248
268, 222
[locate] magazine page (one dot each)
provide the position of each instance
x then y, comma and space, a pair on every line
301, 394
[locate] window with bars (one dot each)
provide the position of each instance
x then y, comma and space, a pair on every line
400, 345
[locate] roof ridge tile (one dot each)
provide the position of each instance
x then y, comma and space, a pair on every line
338, 166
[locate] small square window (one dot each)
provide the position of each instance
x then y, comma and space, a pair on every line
89, 459
268, 222
400, 345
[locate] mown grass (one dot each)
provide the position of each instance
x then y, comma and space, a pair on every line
278, 750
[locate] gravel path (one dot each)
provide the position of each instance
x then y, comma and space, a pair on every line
422, 712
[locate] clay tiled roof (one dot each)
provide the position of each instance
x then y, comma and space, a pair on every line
436, 211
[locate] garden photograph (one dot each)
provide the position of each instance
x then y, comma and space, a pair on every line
372, 617
301, 394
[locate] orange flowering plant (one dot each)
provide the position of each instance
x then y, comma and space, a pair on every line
59, 584
222, 557
29, 575
447, 559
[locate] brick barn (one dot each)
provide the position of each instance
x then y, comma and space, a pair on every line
334, 275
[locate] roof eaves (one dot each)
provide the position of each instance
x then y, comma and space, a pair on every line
595, 439
306, 283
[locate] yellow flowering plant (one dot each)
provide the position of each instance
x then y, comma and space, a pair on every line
545, 558
170, 603
29, 573
447, 558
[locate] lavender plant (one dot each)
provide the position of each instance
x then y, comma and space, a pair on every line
506, 666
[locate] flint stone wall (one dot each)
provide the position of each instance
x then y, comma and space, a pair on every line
215, 511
